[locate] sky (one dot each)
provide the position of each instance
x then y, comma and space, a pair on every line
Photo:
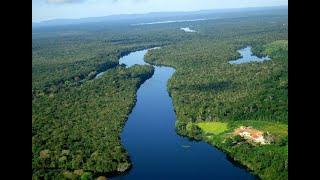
74, 9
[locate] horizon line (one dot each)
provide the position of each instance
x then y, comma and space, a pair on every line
36, 22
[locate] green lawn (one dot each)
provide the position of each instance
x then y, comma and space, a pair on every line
213, 127
267, 161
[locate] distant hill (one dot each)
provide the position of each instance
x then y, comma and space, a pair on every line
142, 18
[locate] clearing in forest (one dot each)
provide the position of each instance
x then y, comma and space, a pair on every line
213, 127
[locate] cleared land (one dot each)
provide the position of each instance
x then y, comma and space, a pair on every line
213, 127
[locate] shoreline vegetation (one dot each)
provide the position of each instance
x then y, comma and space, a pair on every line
53, 163
269, 161
77, 120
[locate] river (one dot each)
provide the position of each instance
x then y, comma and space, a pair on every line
156, 151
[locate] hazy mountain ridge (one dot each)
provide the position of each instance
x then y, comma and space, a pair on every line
141, 18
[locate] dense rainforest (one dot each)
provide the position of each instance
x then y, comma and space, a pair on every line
77, 118
206, 87
77, 128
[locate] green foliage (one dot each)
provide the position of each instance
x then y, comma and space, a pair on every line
181, 127
213, 127
277, 49
266, 161
77, 120
79, 128
193, 131
206, 88
229, 142
69, 175
86, 176
220, 91
238, 138
283, 141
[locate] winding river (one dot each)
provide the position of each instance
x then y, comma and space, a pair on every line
156, 151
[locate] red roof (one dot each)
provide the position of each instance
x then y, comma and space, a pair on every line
255, 136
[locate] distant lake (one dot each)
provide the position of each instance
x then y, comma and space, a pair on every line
155, 149
169, 21
247, 56
187, 29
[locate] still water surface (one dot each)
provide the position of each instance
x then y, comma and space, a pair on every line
247, 56
155, 149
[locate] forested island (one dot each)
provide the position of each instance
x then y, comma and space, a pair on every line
77, 119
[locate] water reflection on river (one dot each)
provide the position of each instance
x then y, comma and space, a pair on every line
155, 149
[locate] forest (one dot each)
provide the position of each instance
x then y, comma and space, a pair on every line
206, 87
77, 118
77, 128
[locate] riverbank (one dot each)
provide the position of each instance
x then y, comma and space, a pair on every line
77, 120
154, 147
76, 130
254, 156
215, 90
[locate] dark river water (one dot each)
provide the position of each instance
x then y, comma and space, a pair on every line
155, 149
